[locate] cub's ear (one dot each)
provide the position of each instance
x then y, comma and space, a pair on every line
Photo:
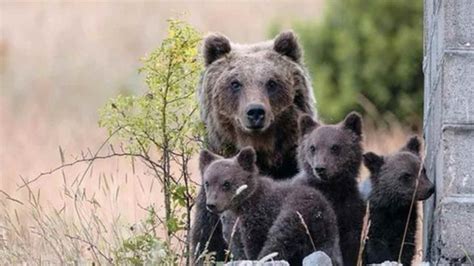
373, 162
215, 46
205, 159
286, 43
353, 122
247, 158
306, 124
413, 145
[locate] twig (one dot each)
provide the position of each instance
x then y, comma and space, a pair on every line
37, 207
307, 230
413, 199
234, 229
101, 157
206, 246
364, 234
10, 198
97, 153
92, 246
466, 254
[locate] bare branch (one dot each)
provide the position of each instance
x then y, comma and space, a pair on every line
89, 160
92, 246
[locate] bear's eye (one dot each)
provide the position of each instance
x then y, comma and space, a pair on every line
312, 149
272, 86
226, 186
335, 149
206, 184
235, 86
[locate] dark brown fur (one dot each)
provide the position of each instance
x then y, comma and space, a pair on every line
393, 179
268, 209
270, 75
337, 149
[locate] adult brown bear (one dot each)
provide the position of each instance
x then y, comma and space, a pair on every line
250, 95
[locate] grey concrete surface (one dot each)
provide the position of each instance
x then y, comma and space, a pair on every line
448, 66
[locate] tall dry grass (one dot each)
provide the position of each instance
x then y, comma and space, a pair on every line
55, 219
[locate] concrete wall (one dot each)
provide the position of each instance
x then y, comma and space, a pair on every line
449, 129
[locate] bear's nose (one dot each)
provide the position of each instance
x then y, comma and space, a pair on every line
211, 207
255, 115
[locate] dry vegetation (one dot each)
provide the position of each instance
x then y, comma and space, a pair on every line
59, 63
42, 220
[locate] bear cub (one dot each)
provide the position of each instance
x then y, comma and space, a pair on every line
330, 157
394, 184
270, 213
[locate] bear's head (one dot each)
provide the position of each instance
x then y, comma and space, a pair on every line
248, 87
227, 182
330, 153
394, 177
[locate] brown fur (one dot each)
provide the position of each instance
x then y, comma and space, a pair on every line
268, 210
270, 75
393, 179
330, 157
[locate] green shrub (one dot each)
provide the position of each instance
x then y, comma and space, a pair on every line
163, 130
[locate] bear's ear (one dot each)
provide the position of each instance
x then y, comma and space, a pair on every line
247, 158
205, 159
413, 145
215, 46
287, 44
306, 124
373, 162
353, 122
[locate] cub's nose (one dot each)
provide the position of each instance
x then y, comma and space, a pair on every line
255, 116
431, 190
211, 207
321, 171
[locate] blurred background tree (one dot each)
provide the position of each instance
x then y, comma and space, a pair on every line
366, 55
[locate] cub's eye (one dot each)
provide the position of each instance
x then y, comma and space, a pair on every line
335, 149
206, 184
235, 86
272, 86
405, 176
312, 149
226, 186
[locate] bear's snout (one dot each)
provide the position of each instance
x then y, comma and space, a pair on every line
425, 193
425, 188
255, 116
214, 208
320, 170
